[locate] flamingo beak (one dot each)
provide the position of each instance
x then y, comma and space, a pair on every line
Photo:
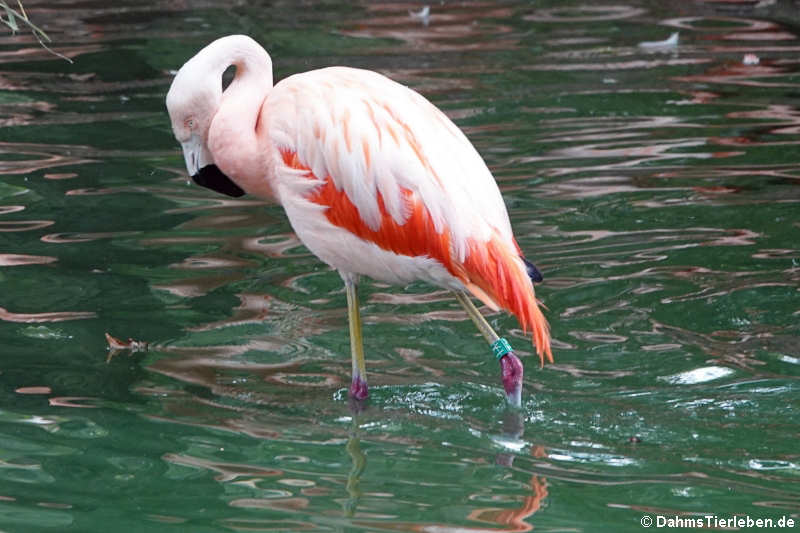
196, 154
204, 172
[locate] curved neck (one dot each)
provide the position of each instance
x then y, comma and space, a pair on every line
251, 83
238, 50
245, 94
232, 136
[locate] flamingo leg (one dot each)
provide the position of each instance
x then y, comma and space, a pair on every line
476, 316
510, 366
358, 386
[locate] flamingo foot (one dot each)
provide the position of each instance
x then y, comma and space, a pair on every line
358, 388
512, 372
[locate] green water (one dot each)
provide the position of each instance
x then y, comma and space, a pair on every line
656, 188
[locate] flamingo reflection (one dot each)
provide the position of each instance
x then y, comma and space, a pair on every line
506, 520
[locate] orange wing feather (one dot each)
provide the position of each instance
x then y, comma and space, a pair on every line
491, 270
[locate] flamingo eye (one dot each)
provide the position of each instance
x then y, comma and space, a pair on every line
190, 123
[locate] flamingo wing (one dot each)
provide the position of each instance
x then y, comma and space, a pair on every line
369, 158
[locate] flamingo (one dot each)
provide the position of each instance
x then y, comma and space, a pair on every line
374, 179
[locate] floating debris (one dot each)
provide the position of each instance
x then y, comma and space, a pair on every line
425, 12
422, 14
671, 42
750, 59
115, 346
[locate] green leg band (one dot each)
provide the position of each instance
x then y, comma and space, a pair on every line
500, 347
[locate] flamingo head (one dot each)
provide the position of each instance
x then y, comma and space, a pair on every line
192, 101
195, 97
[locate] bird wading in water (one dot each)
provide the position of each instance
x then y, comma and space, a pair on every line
374, 179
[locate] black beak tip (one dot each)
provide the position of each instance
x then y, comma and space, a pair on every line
533, 272
211, 177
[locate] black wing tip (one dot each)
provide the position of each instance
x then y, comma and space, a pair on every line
211, 177
533, 272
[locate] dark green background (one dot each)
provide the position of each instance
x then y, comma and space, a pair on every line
657, 190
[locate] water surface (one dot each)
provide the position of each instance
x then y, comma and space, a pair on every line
655, 186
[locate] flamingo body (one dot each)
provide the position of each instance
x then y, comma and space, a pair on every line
374, 179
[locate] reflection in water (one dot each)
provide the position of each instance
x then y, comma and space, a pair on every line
68, 238
516, 519
582, 13
297, 487
42, 157
445, 30
505, 519
225, 472
58, 316
359, 460
23, 259
24, 225
656, 188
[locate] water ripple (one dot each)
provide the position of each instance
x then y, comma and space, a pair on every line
24, 259
58, 316
656, 189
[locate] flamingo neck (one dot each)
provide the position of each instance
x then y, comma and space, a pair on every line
236, 136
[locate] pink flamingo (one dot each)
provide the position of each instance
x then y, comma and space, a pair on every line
374, 179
